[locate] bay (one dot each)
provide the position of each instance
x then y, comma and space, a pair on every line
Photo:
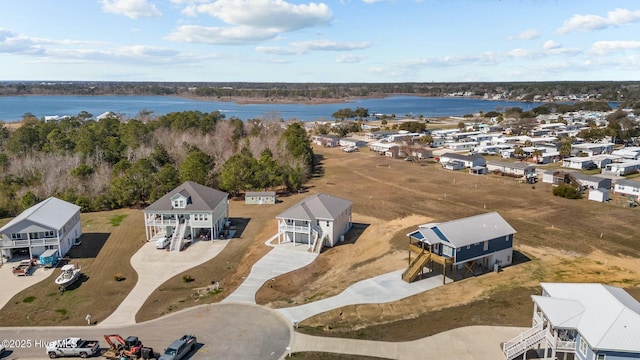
12, 108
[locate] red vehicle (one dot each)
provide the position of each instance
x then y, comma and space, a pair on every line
119, 347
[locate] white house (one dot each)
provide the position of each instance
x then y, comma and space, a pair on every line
591, 182
318, 220
191, 211
581, 321
468, 161
604, 159
50, 224
593, 149
515, 168
352, 142
627, 187
578, 163
628, 152
622, 168
460, 146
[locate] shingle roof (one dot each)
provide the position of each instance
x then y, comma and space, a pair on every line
610, 317
628, 182
513, 165
319, 206
202, 198
467, 231
52, 213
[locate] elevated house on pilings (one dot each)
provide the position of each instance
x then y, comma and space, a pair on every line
190, 211
477, 243
582, 322
318, 220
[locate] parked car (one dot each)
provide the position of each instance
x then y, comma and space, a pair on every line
73, 347
163, 242
179, 348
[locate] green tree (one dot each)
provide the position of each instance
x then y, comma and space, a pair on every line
82, 172
24, 140
239, 173
296, 142
28, 200
166, 179
135, 186
565, 149
269, 173
197, 167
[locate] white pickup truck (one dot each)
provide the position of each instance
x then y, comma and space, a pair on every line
73, 347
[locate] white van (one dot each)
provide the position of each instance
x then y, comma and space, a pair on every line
162, 242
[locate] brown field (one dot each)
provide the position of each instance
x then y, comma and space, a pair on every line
557, 240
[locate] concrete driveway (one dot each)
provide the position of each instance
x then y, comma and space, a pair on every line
11, 284
154, 267
282, 259
376, 290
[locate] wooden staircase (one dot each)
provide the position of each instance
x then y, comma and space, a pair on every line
416, 266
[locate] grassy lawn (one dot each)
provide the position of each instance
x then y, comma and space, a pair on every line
105, 251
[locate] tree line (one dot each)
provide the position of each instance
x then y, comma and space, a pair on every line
110, 163
627, 92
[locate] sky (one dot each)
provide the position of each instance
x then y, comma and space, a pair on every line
334, 41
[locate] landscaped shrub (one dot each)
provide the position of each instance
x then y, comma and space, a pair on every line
187, 278
567, 191
119, 277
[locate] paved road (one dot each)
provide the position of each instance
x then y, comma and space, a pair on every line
467, 343
225, 331
154, 267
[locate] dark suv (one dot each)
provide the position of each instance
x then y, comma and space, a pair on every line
179, 348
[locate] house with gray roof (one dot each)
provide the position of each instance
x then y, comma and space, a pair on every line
190, 211
318, 220
581, 321
482, 241
466, 161
50, 224
590, 181
627, 187
520, 168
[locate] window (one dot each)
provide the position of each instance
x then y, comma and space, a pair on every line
601, 357
486, 245
34, 235
327, 223
49, 234
583, 347
16, 236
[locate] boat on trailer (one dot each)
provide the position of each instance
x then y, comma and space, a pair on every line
69, 275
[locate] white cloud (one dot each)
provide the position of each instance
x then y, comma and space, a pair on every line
371, 1
277, 50
303, 47
550, 44
607, 47
221, 36
268, 14
349, 58
12, 43
327, 45
591, 22
130, 8
529, 34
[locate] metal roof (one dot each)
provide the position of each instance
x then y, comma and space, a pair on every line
260, 193
461, 157
319, 206
628, 182
467, 231
203, 198
52, 213
611, 317
513, 165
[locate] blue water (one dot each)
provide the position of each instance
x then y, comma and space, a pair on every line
12, 108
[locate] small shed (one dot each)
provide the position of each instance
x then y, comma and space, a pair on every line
260, 197
49, 258
599, 195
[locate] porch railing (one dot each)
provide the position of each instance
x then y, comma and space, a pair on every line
162, 222
296, 228
27, 243
566, 345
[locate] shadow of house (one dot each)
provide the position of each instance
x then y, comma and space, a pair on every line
90, 246
238, 225
354, 233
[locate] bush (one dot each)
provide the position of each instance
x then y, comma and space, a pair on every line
119, 277
29, 299
187, 278
567, 191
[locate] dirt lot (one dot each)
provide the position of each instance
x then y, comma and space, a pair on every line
558, 239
